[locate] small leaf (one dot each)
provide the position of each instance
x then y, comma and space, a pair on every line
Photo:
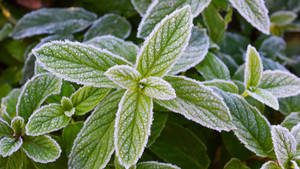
255, 12
8, 103
86, 64
273, 47
157, 88
265, 97
141, 6
165, 44
5, 129
18, 125
109, 24
270, 165
69, 134
280, 83
235, 163
132, 128
47, 119
35, 91
42, 149
124, 76
66, 90
5, 31
227, 86
283, 17
52, 20
9, 145
291, 120
66, 104
253, 68
284, 145
87, 97
155, 165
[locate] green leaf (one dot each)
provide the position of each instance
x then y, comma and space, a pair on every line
213, 68
52, 20
127, 50
141, 6
42, 149
193, 53
291, 120
296, 133
255, 12
253, 68
66, 104
159, 122
87, 97
9, 145
16, 161
290, 104
283, 17
35, 91
94, 144
5, 31
270, 165
132, 128
235, 163
273, 47
18, 125
198, 103
69, 134
8, 103
159, 9
66, 90
280, 83
265, 97
155, 165
124, 76
157, 88
252, 128
47, 119
109, 24
5, 129
165, 44
86, 64
227, 86
284, 145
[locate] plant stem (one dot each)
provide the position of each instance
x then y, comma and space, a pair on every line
245, 94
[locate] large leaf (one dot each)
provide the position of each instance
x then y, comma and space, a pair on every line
132, 128
87, 97
157, 88
280, 83
53, 20
69, 134
47, 119
296, 133
141, 5
155, 165
161, 8
198, 103
9, 145
193, 53
16, 161
265, 97
159, 122
270, 165
255, 12
42, 149
109, 24
94, 144
77, 62
165, 44
35, 91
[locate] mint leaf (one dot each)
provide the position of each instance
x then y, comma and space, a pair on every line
16, 161
157, 88
47, 119
280, 83
66, 90
225, 85
69, 134
270, 165
35, 91
283, 17
52, 20
109, 24
155, 165
141, 6
235, 163
290, 104
86, 64
8, 103
198, 103
296, 133
124, 76
18, 125
253, 68
291, 120
255, 12
132, 128
5, 129
42, 149
165, 44
193, 53
159, 122
9, 145
265, 97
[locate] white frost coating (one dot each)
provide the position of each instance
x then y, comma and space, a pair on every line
160, 164
265, 97
233, 88
255, 12
284, 144
14, 145
283, 17
14, 119
269, 165
296, 133
4, 100
137, 7
295, 164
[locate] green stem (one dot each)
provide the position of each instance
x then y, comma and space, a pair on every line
245, 94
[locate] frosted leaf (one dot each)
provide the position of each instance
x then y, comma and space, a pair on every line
4, 31
53, 20
165, 44
127, 50
253, 68
8, 103
291, 120
290, 104
294, 164
141, 6
213, 68
5, 129
124, 76
155, 165
87, 97
18, 125
157, 88
273, 46
66, 90
235, 163
35, 91
38, 68
198, 103
280, 83
94, 144
132, 128
10, 145
270, 165
161, 8
109, 24
225, 85
42, 149
255, 12
76, 62
284, 145
265, 97
47, 119
252, 128
283, 17
193, 53
296, 133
